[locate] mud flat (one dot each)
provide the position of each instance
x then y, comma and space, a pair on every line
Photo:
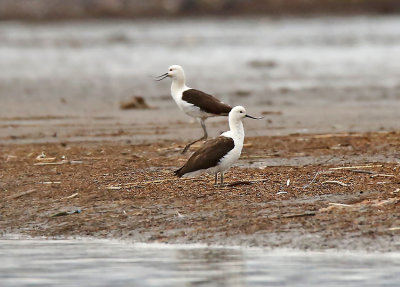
304, 191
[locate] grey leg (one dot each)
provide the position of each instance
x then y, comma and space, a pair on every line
189, 144
216, 178
203, 125
222, 178
205, 136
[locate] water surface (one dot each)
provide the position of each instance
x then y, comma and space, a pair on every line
318, 74
87, 262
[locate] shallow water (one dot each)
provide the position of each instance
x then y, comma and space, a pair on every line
318, 74
87, 262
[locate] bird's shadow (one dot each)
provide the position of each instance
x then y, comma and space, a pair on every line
239, 182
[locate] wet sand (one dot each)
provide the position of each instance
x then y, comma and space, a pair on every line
347, 197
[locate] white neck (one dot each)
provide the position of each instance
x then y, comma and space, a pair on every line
178, 86
237, 130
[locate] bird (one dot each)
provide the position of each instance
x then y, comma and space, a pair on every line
217, 155
192, 102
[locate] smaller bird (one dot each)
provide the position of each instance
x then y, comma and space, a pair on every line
194, 103
218, 155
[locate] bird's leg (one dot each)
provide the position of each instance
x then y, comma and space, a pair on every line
189, 144
221, 184
203, 125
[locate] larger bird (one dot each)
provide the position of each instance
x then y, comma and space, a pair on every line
218, 155
194, 103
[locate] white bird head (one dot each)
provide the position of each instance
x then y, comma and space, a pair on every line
174, 71
239, 113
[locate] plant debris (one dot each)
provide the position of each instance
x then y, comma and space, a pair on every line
64, 213
136, 197
136, 102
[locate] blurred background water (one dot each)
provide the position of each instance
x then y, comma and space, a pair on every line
87, 262
323, 74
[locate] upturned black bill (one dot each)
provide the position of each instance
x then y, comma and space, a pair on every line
162, 77
255, 118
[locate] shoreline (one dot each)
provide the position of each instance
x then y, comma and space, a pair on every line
191, 246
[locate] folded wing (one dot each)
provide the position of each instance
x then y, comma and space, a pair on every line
208, 155
206, 102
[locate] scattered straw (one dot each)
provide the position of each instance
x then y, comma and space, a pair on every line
335, 182
355, 167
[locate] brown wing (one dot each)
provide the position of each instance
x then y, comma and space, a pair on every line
208, 155
206, 102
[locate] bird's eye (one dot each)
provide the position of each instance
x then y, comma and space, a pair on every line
241, 112
170, 70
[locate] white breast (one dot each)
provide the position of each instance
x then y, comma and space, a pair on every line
191, 109
232, 156
187, 108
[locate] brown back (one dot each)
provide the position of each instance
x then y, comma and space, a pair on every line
206, 102
208, 155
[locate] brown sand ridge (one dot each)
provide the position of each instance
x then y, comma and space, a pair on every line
303, 191
81, 9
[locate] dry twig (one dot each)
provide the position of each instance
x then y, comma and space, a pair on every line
334, 135
23, 194
355, 167
339, 204
312, 181
52, 163
306, 213
334, 182
71, 196
382, 175
114, 187
362, 171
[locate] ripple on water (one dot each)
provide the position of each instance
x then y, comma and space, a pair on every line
92, 262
